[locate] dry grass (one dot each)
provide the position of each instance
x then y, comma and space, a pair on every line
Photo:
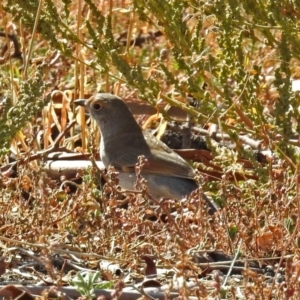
53, 225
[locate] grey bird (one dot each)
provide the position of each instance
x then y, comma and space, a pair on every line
122, 141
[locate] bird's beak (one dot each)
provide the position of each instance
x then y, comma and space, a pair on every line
81, 102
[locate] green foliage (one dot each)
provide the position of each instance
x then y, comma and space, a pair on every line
254, 24
30, 101
86, 283
221, 43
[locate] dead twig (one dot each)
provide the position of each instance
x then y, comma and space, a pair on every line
40, 154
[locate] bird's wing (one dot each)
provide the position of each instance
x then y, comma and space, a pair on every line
164, 161
160, 159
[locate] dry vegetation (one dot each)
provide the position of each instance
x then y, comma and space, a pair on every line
236, 60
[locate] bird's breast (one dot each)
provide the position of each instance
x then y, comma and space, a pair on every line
103, 154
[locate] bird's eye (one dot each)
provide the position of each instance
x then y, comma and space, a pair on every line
97, 106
